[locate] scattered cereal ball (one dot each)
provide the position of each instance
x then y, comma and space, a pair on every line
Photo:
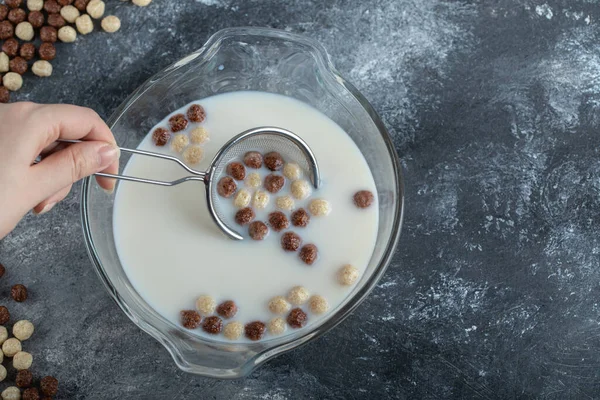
308, 254
3, 335
279, 305
233, 330
206, 305
196, 113
4, 62
11, 393
31, 394
48, 34
285, 203
226, 187
190, 319
3, 373
18, 292
178, 122
70, 13
27, 51
161, 136
142, 3
22, 360
253, 180
1, 356
95, 9
4, 95
227, 309
193, 155
319, 207
56, 20
11, 47
236, 170
3, 12
81, 5
274, 183
277, 326
22, 329
42, 68
179, 142
363, 198
17, 15
65, 2
24, 378
244, 216
290, 241
111, 24
18, 65
84, 24
35, 5
300, 189
298, 295
347, 275
4, 315
36, 19
212, 325
318, 304
67, 34
255, 330
261, 199
11, 346
47, 51
278, 221
258, 230
253, 159
242, 198
51, 6
24, 31
292, 171
6, 30
297, 318
273, 161
199, 135
300, 218
49, 385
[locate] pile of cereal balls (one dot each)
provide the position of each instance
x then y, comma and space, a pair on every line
29, 30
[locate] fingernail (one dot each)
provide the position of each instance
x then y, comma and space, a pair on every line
108, 155
109, 191
46, 208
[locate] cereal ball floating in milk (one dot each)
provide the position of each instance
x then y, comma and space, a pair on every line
319, 208
277, 326
318, 304
308, 254
279, 305
178, 122
300, 218
298, 295
160, 136
22, 330
190, 319
236, 170
227, 309
285, 203
291, 241
233, 330
206, 305
273, 161
22, 360
292, 171
254, 330
253, 159
193, 155
347, 275
11, 347
242, 198
212, 325
300, 189
253, 180
226, 187
363, 198
11, 393
278, 221
260, 199
199, 135
258, 230
179, 142
297, 318
244, 216
196, 113
274, 183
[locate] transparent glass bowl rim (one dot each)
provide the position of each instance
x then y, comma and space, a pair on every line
326, 67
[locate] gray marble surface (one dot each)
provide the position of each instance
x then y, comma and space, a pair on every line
494, 106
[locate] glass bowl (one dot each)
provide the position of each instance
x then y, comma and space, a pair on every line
232, 60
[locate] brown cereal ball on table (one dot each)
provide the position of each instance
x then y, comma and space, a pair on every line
244, 216
297, 318
318, 304
19, 293
3, 12
27, 51
161, 136
24, 378
179, 143
11, 346
277, 326
18, 65
193, 155
298, 295
196, 113
31, 394
11, 393
274, 183
236, 170
56, 20
47, 51
258, 230
300, 218
13, 3
226, 187
206, 305
212, 325
4, 95
253, 159
227, 309
49, 385
309, 254
233, 330
273, 161
36, 19
52, 7
255, 330
300, 189
81, 5
2, 270
279, 305
347, 275
17, 15
278, 221
65, 2
4, 315
48, 34
242, 198
6, 30
290, 241
190, 319
178, 122
11, 47
363, 198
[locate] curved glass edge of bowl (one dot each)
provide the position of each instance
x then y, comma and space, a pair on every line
327, 71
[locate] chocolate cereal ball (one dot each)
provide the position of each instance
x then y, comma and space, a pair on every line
245, 216
161, 136
2, 270
300, 218
233, 330
258, 230
4, 315
212, 325
318, 304
4, 95
308, 254
278, 221
274, 183
363, 198
65, 2
36, 19
298, 295
297, 318
52, 7
3, 12
24, 378
13, 3
290, 241
18, 65
227, 309
196, 113
6, 30
19, 293
47, 51
273, 161
277, 326
190, 319
255, 330
27, 51
49, 385
347, 275
236, 170
253, 159
81, 5
17, 15
279, 305
31, 394
11, 47
226, 187
178, 122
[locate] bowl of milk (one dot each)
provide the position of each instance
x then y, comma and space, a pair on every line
156, 249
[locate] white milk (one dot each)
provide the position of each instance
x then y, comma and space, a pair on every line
172, 252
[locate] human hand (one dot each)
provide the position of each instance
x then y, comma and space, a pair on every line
28, 130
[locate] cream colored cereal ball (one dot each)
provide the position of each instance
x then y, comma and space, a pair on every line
260, 200
84, 24
4, 62
199, 135
253, 180
319, 207
179, 142
347, 275
1, 356
111, 24
95, 9
279, 305
70, 13
142, 3
11, 347
276, 326
3, 334
242, 198
24, 31
67, 34
298, 295
11, 393
206, 305
22, 360
42, 68
12, 81
2, 373
22, 330
292, 171
35, 5
233, 330
318, 304
285, 203
300, 189
193, 155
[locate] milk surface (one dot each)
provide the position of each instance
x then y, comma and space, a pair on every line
172, 252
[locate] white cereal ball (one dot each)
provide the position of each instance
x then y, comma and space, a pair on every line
23, 329
24, 31
11, 393
279, 305
298, 295
300, 189
67, 34
193, 155
347, 275
233, 330
318, 304
206, 305
1, 356
319, 207
42, 68
111, 24
22, 360
285, 203
292, 171
4, 62
35, 5
277, 326
260, 200
199, 135
11, 347
2, 373
95, 9
179, 142
12, 81
84, 24
3, 334
70, 13
242, 198
142, 3
253, 180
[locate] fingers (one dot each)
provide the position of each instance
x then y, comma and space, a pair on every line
51, 201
